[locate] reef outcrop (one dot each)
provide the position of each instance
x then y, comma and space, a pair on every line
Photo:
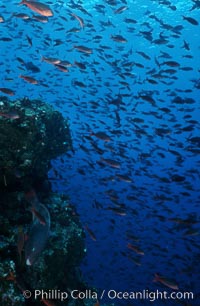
32, 133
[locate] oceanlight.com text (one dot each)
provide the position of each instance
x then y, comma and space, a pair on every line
110, 294
150, 295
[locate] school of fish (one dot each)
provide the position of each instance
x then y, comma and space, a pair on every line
126, 75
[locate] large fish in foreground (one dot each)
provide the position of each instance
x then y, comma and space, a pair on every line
38, 7
36, 242
39, 231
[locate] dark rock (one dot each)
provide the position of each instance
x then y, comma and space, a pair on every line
31, 135
29, 142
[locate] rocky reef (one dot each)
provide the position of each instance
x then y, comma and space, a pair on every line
32, 133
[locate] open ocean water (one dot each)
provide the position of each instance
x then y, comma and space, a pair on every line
126, 75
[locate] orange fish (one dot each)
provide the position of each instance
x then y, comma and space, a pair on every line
92, 235
135, 260
43, 19
48, 302
117, 210
110, 162
61, 68
7, 91
28, 79
124, 178
38, 7
135, 249
101, 135
80, 20
165, 281
11, 277
49, 60
10, 115
83, 49
21, 16
120, 10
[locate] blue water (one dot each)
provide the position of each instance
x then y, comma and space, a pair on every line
154, 202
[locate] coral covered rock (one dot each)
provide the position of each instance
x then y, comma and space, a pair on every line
31, 134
